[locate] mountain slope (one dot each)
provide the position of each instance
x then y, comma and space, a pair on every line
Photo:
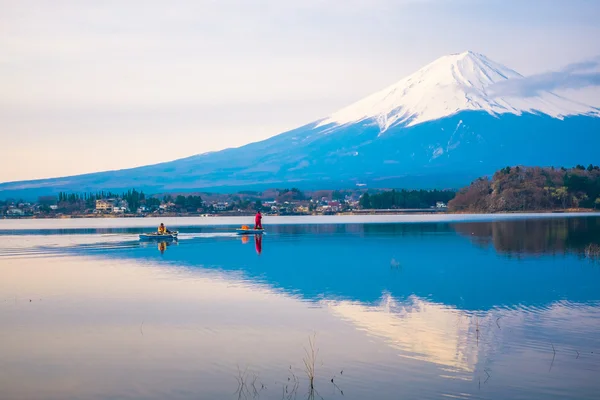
440, 127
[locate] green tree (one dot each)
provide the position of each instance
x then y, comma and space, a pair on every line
180, 201
258, 205
193, 203
133, 198
365, 201
561, 194
337, 195
597, 203
243, 204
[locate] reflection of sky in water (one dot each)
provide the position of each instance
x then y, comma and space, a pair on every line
422, 311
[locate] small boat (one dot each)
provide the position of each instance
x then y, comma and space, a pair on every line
250, 231
159, 236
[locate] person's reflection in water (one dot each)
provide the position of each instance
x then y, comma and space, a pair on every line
258, 243
162, 246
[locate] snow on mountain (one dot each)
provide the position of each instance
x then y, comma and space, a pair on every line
453, 83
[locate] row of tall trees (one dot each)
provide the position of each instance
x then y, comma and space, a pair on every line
134, 199
530, 189
393, 199
81, 201
75, 197
289, 195
189, 203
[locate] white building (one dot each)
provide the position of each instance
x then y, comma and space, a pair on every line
14, 211
166, 206
220, 206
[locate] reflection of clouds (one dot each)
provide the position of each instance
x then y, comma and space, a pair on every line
163, 327
31, 242
421, 330
573, 76
198, 324
574, 317
449, 337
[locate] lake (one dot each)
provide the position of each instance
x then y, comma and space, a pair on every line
377, 307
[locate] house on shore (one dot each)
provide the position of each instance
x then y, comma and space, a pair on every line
105, 205
15, 211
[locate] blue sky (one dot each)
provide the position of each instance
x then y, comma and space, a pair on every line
88, 86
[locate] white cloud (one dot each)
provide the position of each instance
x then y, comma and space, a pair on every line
574, 76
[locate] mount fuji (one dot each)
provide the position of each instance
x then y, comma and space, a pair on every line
441, 127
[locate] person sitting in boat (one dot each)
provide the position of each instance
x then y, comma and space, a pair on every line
258, 221
162, 229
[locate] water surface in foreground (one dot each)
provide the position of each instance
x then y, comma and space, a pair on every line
489, 310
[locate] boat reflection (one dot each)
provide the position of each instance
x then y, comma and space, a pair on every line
162, 246
257, 242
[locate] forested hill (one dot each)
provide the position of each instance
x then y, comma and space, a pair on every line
531, 189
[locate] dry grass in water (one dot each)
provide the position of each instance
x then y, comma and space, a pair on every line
289, 390
247, 384
310, 360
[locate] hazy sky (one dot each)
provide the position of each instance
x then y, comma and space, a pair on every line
96, 85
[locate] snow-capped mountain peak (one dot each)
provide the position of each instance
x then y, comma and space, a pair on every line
450, 84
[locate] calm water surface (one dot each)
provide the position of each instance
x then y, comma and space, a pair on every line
408, 307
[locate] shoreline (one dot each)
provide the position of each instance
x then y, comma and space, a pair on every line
106, 225
249, 214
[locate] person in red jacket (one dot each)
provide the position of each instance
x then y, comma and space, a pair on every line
258, 221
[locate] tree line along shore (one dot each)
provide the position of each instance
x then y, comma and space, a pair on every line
510, 189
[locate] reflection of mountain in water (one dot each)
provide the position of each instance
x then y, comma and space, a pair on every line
419, 329
459, 341
542, 236
358, 263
